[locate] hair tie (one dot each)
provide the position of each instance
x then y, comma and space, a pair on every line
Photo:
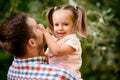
75, 7
55, 8
73, 4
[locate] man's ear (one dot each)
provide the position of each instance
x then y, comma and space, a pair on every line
32, 42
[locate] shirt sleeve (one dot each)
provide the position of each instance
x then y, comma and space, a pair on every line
75, 43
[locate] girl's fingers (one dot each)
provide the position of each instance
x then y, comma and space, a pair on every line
41, 26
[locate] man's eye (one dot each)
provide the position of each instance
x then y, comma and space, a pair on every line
37, 26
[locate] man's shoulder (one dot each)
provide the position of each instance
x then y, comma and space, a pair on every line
43, 71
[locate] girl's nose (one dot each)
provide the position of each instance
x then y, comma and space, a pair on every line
60, 27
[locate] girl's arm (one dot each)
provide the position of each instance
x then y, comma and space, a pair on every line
54, 47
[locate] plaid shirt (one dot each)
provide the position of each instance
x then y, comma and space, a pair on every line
36, 69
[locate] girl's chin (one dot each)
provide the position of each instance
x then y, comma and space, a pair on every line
60, 37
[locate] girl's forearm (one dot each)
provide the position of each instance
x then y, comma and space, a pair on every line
53, 46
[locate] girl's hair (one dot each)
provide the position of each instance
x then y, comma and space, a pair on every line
79, 18
14, 34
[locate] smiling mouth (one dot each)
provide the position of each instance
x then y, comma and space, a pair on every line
61, 33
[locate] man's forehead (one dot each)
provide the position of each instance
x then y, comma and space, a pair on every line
31, 22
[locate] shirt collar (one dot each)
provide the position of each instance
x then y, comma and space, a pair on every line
40, 60
70, 35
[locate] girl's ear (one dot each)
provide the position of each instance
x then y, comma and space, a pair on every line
32, 42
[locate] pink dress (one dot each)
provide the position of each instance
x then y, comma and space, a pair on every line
70, 62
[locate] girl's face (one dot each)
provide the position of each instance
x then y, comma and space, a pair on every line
62, 23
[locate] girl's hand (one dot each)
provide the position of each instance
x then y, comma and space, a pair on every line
41, 27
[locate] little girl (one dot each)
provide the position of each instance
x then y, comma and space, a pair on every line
64, 48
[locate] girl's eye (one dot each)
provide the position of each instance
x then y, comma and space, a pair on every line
66, 24
55, 24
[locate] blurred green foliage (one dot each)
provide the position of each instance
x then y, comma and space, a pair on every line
101, 50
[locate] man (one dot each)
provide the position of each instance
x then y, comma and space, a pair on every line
21, 36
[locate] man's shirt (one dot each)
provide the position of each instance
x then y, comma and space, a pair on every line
36, 69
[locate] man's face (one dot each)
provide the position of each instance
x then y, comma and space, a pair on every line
38, 33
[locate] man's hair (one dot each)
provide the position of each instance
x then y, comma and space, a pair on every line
14, 34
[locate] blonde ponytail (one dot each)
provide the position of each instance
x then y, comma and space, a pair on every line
81, 22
